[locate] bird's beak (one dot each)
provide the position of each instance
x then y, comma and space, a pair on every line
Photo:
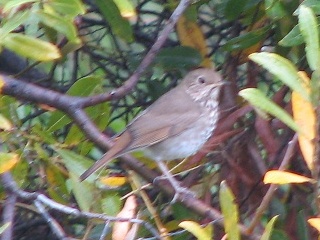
221, 83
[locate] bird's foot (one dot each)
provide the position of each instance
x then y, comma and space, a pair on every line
180, 192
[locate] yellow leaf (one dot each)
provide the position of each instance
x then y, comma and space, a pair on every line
5, 124
191, 35
315, 222
7, 161
113, 181
2, 82
283, 177
56, 187
199, 232
126, 8
304, 115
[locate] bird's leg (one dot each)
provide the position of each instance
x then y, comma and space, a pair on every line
175, 184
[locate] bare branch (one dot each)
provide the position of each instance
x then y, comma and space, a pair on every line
39, 200
132, 81
54, 225
8, 215
273, 187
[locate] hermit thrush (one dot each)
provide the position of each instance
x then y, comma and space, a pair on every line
175, 126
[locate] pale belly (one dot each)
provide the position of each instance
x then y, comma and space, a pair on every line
183, 145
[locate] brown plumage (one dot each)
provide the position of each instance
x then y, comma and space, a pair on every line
175, 126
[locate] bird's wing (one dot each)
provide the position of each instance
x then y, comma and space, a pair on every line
167, 117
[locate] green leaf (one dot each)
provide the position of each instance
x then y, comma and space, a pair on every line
75, 136
234, 8
269, 228
31, 47
314, 4
76, 165
21, 173
191, 13
126, 8
99, 114
12, 23
283, 69
45, 136
178, 57
315, 88
86, 147
119, 25
58, 120
199, 232
83, 87
275, 9
118, 125
7, 104
278, 234
246, 40
111, 199
85, 201
257, 99
309, 29
15, 3
59, 24
70, 8
229, 211
71, 47
293, 38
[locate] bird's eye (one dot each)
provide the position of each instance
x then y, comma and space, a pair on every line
201, 80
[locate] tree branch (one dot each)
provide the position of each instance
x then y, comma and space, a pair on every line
273, 187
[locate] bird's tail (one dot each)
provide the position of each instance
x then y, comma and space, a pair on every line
119, 148
96, 166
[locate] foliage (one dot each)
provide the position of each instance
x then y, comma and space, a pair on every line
87, 48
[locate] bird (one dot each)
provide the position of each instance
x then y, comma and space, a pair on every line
175, 126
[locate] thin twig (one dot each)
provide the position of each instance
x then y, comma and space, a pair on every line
8, 215
105, 230
54, 225
147, 60
273, 187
